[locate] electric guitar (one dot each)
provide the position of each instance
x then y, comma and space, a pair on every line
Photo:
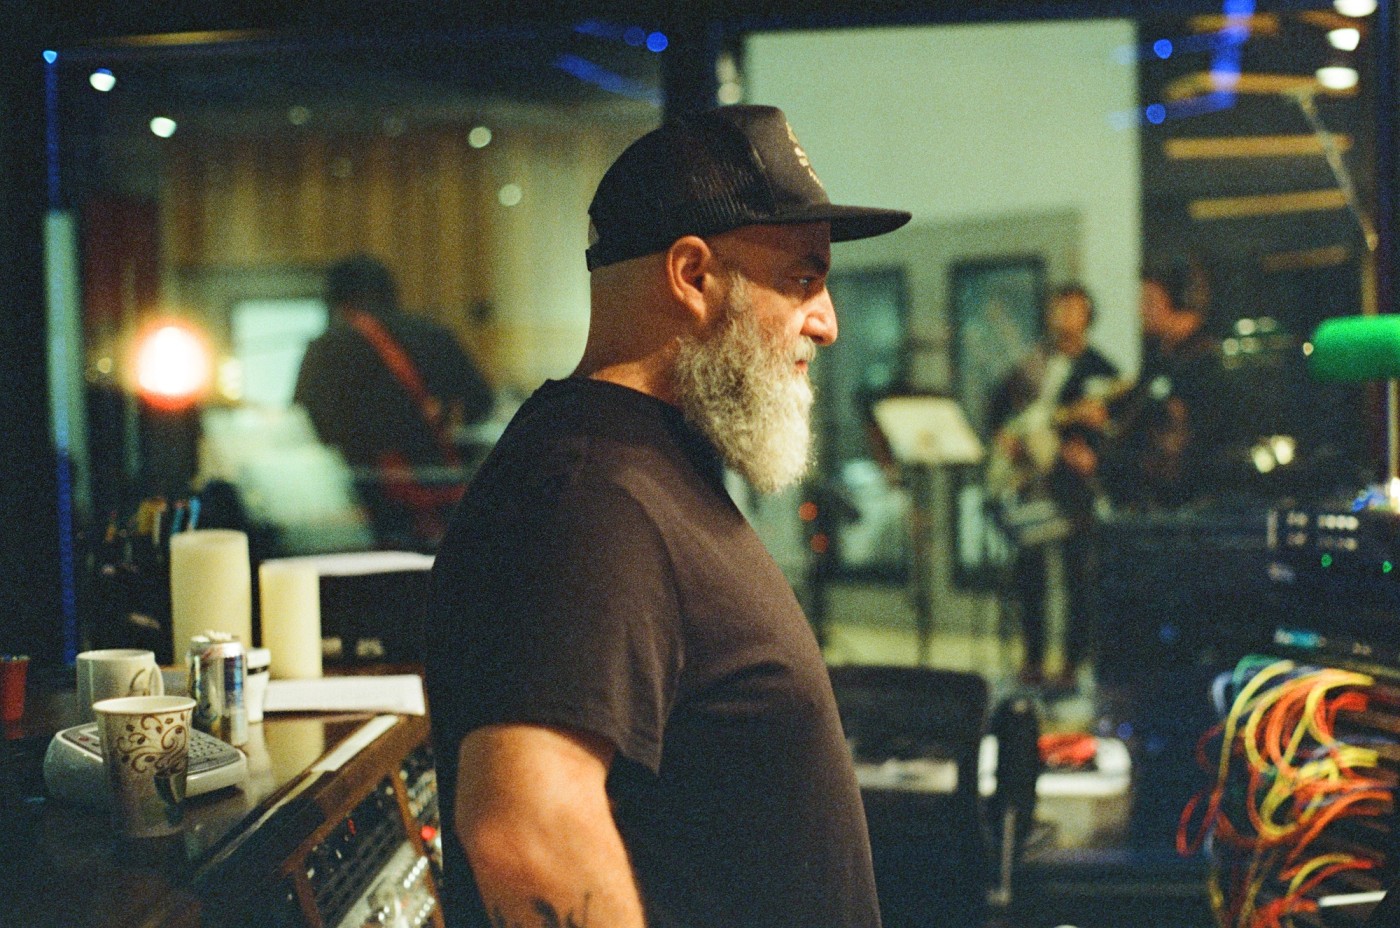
1027, 445
1024, 452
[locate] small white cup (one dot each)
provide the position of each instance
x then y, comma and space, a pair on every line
115, 672
145, 748
255, 683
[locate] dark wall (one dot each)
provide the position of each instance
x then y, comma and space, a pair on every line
29, 588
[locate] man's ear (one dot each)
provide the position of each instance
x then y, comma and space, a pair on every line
691, 275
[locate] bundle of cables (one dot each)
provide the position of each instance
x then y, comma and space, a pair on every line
1281, 779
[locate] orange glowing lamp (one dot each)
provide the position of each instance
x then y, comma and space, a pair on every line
174, 365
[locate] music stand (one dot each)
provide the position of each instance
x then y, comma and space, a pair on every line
926, 434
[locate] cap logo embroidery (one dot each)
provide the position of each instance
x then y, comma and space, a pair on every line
802, 158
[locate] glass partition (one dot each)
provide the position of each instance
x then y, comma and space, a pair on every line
208, 183
205, 185
1125, 232
1230, 153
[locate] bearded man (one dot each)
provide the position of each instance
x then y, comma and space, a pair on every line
631, 717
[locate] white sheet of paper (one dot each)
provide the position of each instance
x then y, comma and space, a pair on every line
357, 563
400, 693
927, 430
920, 775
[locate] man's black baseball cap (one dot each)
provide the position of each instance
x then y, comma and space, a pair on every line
709, 172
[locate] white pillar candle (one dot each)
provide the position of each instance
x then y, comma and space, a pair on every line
290, 594
210, 586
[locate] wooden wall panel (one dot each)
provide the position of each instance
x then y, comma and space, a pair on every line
424, 201
310, 194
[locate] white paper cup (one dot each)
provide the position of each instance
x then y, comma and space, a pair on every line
255, 682
116, 672
145, 748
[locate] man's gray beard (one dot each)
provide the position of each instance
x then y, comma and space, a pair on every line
745, 393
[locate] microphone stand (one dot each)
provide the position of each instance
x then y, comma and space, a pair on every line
1306, 98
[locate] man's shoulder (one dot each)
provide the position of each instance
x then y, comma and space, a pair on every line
336, 334
337, 355
575, 438
555, 484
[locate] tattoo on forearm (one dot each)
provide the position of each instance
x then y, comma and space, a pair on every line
549, 917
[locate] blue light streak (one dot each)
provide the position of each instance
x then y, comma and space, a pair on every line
63, 464
1231, 34
1212, 102
51, 127
1227, 46
612, 82
595, 28
635, 36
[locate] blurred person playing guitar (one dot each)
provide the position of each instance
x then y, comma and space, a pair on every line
1049, 417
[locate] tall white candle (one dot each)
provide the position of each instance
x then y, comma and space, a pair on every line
210, 586
290, 594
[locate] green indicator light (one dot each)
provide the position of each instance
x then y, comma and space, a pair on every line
1327, 560
1387, 567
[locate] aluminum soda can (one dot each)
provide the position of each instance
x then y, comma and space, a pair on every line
218, 667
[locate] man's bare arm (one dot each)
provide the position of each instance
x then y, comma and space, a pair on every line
533, 815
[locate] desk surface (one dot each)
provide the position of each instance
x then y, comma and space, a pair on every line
66, 865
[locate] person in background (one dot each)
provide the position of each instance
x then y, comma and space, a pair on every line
1170, 424
390, 390
632, 720
1049, 416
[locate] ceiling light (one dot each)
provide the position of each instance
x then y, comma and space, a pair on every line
1344, 39
510, 195
1337, 77
1356, 8
1263, 457
102, 79
163, 126
479, 137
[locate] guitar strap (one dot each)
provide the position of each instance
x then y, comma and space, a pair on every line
397, 361
427, 503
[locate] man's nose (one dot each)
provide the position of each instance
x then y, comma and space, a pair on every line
821, 321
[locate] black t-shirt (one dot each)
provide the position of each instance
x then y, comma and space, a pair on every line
598, 577
1171, 451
